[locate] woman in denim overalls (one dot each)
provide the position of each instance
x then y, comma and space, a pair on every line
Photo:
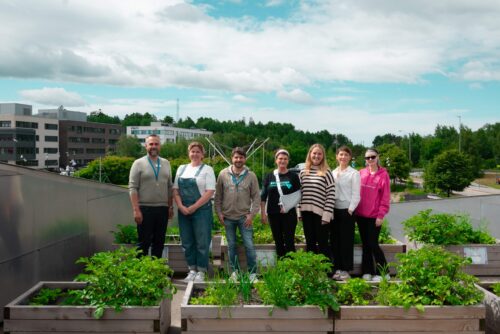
194, 187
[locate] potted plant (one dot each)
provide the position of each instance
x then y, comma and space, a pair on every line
118, 292
456, 234
295, 295
432, 294
491, 301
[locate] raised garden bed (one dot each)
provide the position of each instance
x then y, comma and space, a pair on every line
19, 317
390, 319
266, 255
251, 318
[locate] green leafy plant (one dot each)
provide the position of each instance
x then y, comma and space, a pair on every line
300, 278
46, 296
122, 278
445, 229
430, 276
355, 291
221, 291
496, 289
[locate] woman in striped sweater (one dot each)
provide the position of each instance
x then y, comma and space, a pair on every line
318, 200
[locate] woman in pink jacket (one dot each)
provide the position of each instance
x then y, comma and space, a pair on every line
370, 213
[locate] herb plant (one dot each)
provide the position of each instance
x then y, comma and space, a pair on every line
300, 278
430, 276
122, 278
46, 296
445, 229
355, 291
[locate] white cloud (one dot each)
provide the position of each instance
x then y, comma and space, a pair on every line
176, 43
296, 96
336, 99
243, 98
475, 86
53, 97
274, 3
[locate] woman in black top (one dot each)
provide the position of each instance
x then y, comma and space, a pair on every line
282, 223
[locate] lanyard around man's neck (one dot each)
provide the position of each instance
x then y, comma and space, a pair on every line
157, 169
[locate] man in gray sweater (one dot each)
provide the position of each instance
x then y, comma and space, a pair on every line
237, 201
150, 185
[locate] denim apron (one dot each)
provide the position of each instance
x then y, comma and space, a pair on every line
195, 229
189, 189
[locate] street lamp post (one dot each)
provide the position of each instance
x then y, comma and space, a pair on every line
459, 134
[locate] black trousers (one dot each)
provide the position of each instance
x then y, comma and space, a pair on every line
152, 230
342, 240
371, 250
316, 234
283, 227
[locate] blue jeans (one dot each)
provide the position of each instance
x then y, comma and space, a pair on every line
247, 236
196, 233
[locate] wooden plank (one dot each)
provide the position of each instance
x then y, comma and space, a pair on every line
419, 332
77, 325
56, 312
430, 312
492, 304
253, 332
259, 325
251, 312
407, 325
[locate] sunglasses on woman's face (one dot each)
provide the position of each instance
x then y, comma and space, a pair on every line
371, 157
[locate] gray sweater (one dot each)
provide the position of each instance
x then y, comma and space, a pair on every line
142, 181
235, 201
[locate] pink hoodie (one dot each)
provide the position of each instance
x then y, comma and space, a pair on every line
375, 194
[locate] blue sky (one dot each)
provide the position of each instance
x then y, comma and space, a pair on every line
357, 67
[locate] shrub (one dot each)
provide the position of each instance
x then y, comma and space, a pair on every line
445, 229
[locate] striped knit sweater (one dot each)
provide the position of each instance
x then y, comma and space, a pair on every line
318, 193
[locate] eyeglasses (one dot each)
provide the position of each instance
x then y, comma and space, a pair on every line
372, 157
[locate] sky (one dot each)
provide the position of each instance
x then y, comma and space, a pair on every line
357, 67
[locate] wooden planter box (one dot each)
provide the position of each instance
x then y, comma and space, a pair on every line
22, 318
485, 258
388, 319
251, 318
266, 255
492, 304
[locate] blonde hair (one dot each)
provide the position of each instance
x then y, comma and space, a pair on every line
323, 167
196, 144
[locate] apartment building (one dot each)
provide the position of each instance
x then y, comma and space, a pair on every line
26, 139
166, 132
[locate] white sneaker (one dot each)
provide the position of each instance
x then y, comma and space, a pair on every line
336, 276
200, 277
367, 277
253, 278
190, 276
378, 278
234, 277
344, 275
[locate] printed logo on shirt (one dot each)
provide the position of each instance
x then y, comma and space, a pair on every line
286, 184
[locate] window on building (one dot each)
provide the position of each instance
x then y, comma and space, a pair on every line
51, 150
51, 138
98, 141
113, 141
49, 126
29, 125
51, 163
116, 131
96, 151
5, 124
76, 128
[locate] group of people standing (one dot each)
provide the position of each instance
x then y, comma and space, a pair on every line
331, 203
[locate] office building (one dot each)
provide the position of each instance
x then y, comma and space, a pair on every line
166, 132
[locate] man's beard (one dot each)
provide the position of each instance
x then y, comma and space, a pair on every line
153, 152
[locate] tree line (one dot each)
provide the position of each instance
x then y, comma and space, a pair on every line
398, 153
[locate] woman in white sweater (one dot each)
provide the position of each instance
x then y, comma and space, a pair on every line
347, 182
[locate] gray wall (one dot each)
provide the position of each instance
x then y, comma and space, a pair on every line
484, 210
47, 221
